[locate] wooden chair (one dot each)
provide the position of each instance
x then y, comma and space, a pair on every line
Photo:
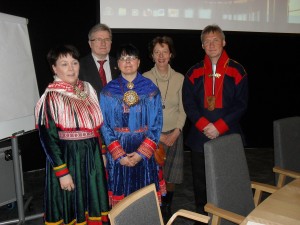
142, 207
286, 133
229, 189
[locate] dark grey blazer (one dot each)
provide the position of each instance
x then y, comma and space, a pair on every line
89, 72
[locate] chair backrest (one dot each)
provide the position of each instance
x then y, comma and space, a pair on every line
140, 207
228, 182
286, 134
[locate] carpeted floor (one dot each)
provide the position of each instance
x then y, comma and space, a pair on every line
260, 162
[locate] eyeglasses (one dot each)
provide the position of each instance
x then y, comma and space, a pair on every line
128, 58
99, 40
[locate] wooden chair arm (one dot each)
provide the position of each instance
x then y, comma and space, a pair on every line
259, 189
218, 214
289, 173
264, 187
190, 215
283, 173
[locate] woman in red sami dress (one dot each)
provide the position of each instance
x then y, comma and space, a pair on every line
68, 118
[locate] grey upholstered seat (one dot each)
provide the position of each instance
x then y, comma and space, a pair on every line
142, 208
286, 133
228, 182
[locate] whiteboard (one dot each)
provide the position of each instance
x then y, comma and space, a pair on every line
18, 86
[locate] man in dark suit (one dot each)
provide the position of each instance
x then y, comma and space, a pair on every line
100, 39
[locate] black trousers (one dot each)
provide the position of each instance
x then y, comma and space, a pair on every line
199, 182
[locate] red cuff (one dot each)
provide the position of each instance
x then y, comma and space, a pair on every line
221, 126
61, 171
201, 123
147, 148
116, 150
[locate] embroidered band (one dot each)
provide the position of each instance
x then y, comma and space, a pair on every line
75, 135
116, 150
150, 143
126, 129
147, 148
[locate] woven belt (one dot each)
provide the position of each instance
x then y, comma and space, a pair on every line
75, 135
126, 129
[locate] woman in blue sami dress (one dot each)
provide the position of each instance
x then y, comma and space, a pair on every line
132, 112
68, 118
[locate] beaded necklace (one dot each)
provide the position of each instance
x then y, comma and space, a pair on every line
163, 100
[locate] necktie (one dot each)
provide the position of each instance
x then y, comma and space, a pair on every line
102, 72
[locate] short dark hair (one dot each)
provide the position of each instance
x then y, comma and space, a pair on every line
127, 49
162, 40
61, 50
212, 28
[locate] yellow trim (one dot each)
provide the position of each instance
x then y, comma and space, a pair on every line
94, 218
104, 213
83, 223
74, 222
56, 223
59, 167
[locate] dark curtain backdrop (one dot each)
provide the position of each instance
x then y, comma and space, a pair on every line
271, 60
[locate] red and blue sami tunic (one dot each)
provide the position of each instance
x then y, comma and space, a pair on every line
131, 129
231, 98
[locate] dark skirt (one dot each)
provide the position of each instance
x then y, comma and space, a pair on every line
173, 168
88, 203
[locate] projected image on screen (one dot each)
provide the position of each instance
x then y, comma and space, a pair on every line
236, 15
294, 11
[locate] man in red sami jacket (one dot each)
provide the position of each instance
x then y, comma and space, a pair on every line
215, 96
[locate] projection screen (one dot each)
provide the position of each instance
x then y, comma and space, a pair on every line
18, 86
278, 16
